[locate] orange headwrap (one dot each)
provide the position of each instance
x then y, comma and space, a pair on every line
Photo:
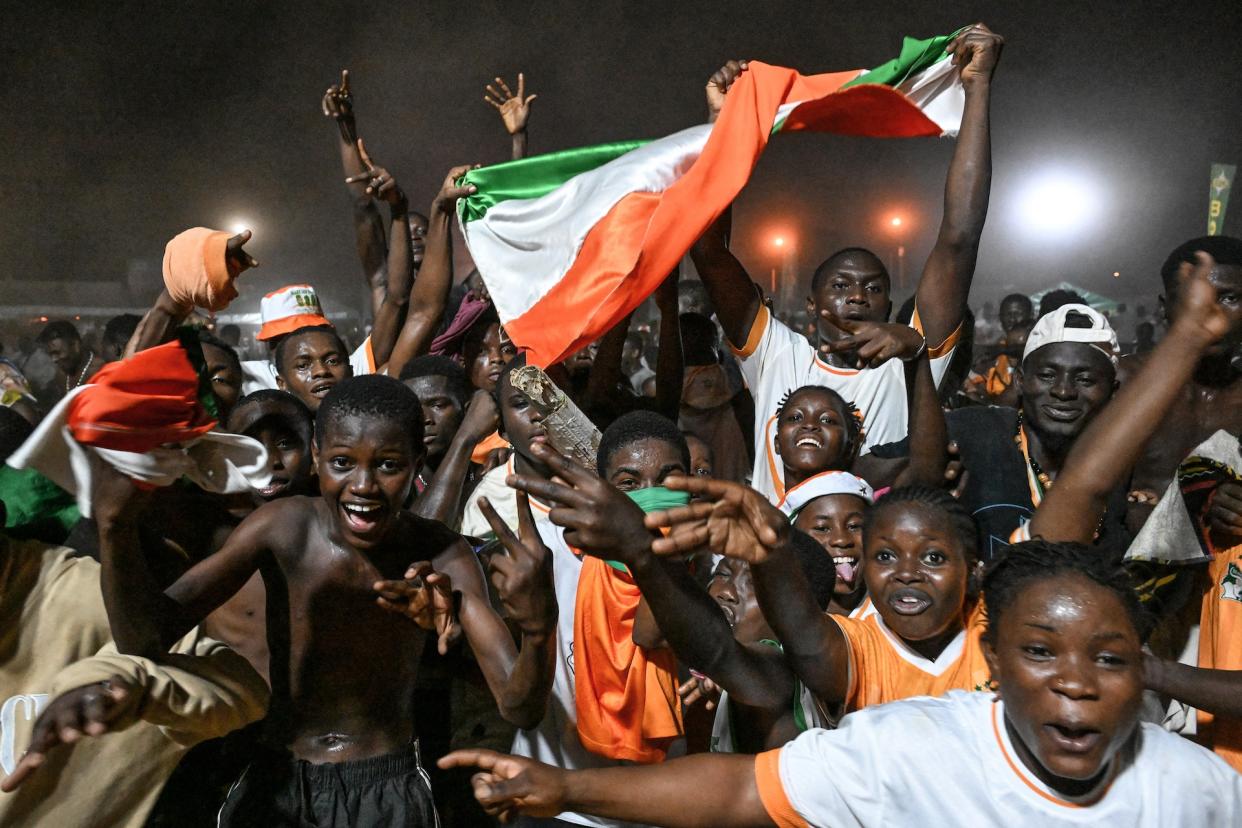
195, 269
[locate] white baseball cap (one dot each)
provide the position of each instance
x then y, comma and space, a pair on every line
289, 308
1052, 328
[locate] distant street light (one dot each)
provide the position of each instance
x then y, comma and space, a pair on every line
779, 241
895, 221
897, 225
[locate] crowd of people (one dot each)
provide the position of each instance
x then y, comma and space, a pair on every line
736, 565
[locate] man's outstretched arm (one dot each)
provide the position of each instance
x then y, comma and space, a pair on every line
716, 790
945, 283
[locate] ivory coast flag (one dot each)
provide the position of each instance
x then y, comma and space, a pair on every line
570, 242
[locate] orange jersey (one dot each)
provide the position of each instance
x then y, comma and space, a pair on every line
1220, 647
883, 668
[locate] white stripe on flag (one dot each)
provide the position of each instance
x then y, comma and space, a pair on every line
937, 90
525, 246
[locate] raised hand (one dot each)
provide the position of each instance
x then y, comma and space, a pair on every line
445, 201
956, 475
1199, 315
235, 258
1225, 512
337, 102
482, 417
522, 573
598, 518
510, 785
728, 518
514, 109
718, 86
84, 711
976, 50
425, 597
873, 343
380, 183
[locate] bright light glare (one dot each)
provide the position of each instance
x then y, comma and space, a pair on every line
1059, 204
895, 221
238, 225
779, 241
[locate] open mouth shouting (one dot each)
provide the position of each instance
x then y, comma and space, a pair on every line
320, 389
1072, 737
809, 441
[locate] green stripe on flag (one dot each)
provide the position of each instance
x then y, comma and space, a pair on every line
533, 177
916, 55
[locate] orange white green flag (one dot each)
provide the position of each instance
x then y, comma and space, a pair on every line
570, 242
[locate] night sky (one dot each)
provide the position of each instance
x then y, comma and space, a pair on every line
127, 122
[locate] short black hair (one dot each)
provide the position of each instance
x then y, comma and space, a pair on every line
430, 365
120, 328
849, 411
1060, 297
1226, 250
828, 265
1037, 560
206, 337
377, 396
287, 409
59, 329
938, 500
639, 425
14, 429
816, 565
282, 344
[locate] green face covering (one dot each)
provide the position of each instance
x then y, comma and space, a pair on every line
657, 499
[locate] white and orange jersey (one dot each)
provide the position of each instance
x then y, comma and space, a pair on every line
950, 761
1220, 647
883, 668
776, 360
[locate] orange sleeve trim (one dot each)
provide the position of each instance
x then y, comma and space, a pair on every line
757, 329
772, 792
935, 351
370, 352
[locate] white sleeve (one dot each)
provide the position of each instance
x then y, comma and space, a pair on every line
834, 777
363, 359
770, 344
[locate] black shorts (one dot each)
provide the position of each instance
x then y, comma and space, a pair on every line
278, 791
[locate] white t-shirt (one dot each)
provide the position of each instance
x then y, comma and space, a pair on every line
949, 761
258, 374
776, 360
555, 740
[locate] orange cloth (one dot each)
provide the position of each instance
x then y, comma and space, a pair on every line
196, 271
486, 446
626, 697
142, 402
882, 669
999, 377
1220, 647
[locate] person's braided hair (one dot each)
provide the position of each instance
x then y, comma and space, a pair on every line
1027, 563
849, 412
938, 500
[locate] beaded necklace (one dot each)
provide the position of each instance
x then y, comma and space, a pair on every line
89, 359
1036, 477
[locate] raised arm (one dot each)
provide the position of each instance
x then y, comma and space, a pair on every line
599, 519
146, 620
733, 294
514, 110
400, 270
738, 522
670, 363
1108, 449
945, 283
929, 434
435, 279
167, 314
522, 577
444, 496
338, 104
716, 790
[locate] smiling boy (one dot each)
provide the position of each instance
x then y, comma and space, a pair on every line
336, 740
